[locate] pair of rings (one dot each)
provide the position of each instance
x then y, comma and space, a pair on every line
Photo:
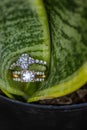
25, 75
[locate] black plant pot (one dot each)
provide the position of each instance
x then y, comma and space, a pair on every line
19, 115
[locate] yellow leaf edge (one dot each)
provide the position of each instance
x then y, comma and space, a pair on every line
71, 84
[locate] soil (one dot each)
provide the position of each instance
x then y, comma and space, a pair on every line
80, 96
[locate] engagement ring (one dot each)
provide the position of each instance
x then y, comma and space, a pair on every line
25, 75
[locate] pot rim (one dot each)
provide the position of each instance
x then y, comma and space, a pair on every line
41, 106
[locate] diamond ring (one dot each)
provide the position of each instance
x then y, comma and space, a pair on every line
25, 75
28, 76
25, 61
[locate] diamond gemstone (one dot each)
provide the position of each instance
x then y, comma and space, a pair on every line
28, 76
23, 61
24, 66
45, 62
37, 61
31, 60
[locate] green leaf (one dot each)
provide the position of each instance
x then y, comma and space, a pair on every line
23, 29
68, 28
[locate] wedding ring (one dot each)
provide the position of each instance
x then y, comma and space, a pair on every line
25, 60
28, 76
24, 74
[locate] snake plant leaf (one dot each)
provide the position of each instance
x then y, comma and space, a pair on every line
23, 29
68, 30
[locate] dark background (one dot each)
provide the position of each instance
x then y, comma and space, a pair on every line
14, 116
